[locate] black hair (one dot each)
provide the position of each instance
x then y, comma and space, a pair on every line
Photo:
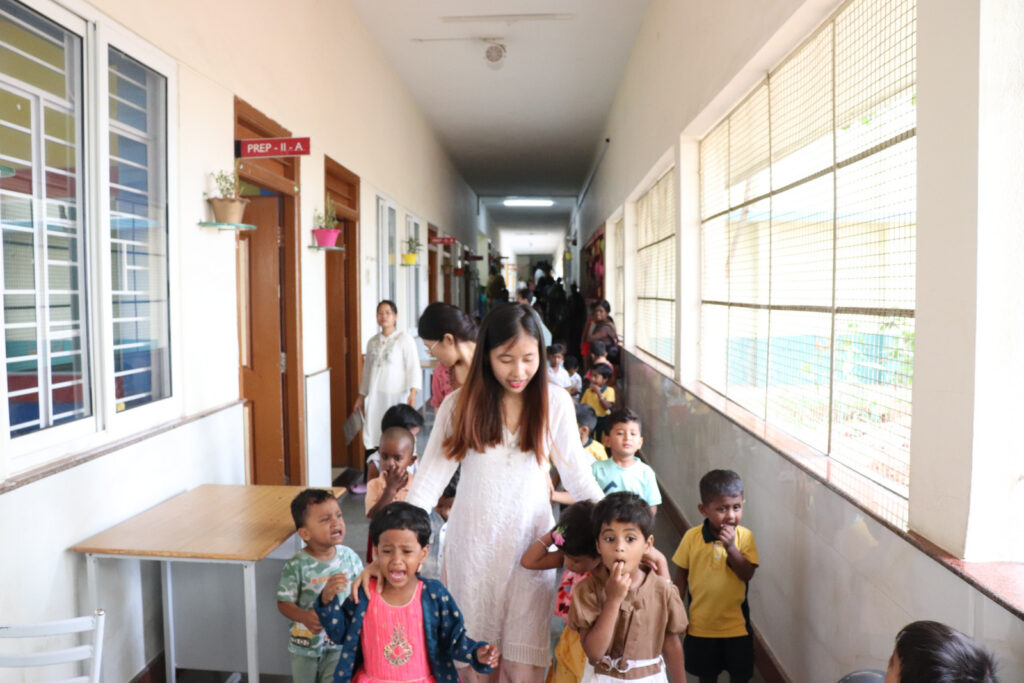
602, 303
453, 485
556, 348
400, 435
439, 319
389, 302
720, 483
586, 417
401, 515
933, 652
570, 363
401, 415
602, 369
577, 529
524, 293
620, 416
598, 348
624, 506
300, 504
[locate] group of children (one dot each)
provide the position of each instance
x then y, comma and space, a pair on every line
623, 609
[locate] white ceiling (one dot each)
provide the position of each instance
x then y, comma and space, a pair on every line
533, 126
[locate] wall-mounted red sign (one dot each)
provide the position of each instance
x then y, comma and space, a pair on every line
442, 240
271, 147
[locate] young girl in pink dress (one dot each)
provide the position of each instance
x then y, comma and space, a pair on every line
412, 630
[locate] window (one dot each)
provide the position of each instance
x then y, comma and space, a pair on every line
656, 270
808, 223
412, 230
619, 238
84, 338
387, 248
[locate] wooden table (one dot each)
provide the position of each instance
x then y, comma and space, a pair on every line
210, 523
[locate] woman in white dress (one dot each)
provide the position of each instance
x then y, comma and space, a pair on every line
391, 373
504, 427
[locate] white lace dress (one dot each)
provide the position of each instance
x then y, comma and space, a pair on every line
501, 507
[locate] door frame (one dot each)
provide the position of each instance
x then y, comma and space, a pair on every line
344, 335
281, 175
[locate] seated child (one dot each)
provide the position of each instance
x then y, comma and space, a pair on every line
599, 355
626, 614
586, 421
600, 396
323, 561
930, 651
624, 472
438, 526
575, 548
572, 366
556, 373
398, 415
411, 629
716, 561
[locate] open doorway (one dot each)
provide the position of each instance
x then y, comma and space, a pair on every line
269, 310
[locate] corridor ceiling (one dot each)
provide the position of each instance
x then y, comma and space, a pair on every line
531, 127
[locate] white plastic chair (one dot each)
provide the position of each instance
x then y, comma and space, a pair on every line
80, 653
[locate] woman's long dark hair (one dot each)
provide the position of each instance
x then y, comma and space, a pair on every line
439, 319
478, 422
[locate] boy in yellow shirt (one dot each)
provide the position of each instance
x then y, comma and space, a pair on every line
586, 421
599, 396
716, 562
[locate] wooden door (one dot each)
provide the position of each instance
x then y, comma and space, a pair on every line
261, 368
343, 329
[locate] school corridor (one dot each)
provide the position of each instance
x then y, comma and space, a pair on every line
203, 202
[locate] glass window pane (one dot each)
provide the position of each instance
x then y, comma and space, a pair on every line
138, 232
44, 269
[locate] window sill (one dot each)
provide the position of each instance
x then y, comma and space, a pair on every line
1003, 582
35, 474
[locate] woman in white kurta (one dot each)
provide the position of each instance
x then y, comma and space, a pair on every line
503, 504
391, 373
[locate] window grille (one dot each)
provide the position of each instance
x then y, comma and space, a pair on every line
619, 305
808, 242
45, 315
656, 270
138, 232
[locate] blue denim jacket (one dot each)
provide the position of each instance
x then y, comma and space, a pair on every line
442, 626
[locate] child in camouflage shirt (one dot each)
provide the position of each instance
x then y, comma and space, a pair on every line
322, 562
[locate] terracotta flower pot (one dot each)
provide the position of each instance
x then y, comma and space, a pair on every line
228, 209
326, 237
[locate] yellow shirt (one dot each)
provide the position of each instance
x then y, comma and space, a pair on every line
596, 449
718, 605
590, 399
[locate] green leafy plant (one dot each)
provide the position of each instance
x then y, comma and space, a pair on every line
229, 185
412, 245
328, 220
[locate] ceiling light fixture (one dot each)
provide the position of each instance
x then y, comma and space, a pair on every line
495, 55
520, 202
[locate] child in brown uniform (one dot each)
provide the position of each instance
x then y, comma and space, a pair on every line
628, 617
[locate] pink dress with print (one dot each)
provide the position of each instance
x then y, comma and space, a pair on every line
394, 646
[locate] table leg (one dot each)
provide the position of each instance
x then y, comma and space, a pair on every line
165, 567
91, 582
251, 652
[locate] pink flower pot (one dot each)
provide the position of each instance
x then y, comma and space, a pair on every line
326, 238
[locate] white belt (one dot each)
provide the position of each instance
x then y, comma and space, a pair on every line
623, 665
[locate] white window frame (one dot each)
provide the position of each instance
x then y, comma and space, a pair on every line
29, 451
383, 277
413, 284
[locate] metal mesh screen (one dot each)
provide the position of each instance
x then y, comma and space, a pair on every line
619, 305
808, 238
656, 270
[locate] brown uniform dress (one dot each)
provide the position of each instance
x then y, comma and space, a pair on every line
646, 614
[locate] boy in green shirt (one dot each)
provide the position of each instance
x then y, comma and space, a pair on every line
322, 562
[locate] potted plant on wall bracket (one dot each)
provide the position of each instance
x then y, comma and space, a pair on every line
229, 206
412, 248
325, 225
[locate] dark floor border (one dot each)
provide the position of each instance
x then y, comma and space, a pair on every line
765, 660
77, 459
154, 672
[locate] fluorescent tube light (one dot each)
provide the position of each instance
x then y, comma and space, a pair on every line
529, 202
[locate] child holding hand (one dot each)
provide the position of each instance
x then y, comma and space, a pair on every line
628, 616
323, 564
411, 630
